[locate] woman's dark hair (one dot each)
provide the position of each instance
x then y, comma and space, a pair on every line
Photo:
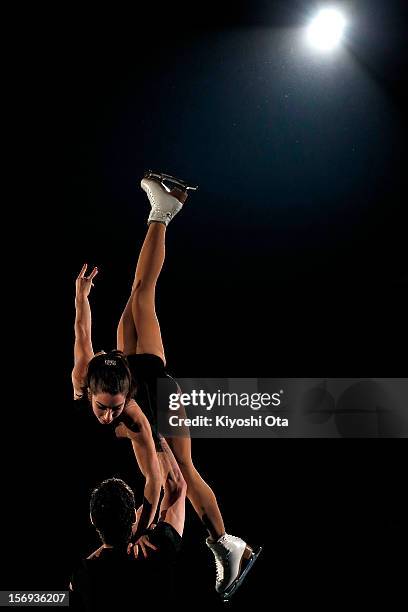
112, 509
109, 373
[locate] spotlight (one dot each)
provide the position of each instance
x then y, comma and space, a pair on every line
326, 29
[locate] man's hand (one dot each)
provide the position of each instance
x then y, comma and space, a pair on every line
96, 553
83, 284
144, 544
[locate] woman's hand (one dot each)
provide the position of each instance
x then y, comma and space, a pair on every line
84, 283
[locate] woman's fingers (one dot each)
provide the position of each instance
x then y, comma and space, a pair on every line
148, 543
93, 274
143, 550
83, 270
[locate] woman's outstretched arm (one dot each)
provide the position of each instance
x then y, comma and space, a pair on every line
135, 426
83, 351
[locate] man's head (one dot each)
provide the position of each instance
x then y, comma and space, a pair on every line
112, 509
109, 385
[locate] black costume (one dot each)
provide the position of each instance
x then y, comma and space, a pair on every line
117, 581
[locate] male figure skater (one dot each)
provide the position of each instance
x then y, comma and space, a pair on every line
120, 575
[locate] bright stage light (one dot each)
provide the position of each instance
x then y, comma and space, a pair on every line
326, 29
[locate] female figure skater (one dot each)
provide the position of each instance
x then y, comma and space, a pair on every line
121, 385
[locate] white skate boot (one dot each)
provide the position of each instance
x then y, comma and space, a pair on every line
166, 194
233, 560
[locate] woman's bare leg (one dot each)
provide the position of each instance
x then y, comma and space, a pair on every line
126, 332
139, 329
149, 265
148, 337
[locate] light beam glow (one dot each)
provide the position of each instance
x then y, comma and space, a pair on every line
326, 30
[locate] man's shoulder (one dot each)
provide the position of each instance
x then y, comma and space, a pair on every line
101, 569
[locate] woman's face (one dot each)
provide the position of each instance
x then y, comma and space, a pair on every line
107, 407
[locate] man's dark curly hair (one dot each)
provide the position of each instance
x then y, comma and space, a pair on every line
112, 508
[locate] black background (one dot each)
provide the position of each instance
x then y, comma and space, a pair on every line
270, 272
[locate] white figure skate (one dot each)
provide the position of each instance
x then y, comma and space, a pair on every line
233, 560
166, 194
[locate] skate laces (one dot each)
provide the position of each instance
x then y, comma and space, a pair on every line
227, 538
219, 569
220, 560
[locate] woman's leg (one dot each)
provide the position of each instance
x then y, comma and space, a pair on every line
139, 329
149, 340
149, 265
126, 332
199, 492
229, 551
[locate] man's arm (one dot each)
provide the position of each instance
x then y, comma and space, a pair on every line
173, 505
